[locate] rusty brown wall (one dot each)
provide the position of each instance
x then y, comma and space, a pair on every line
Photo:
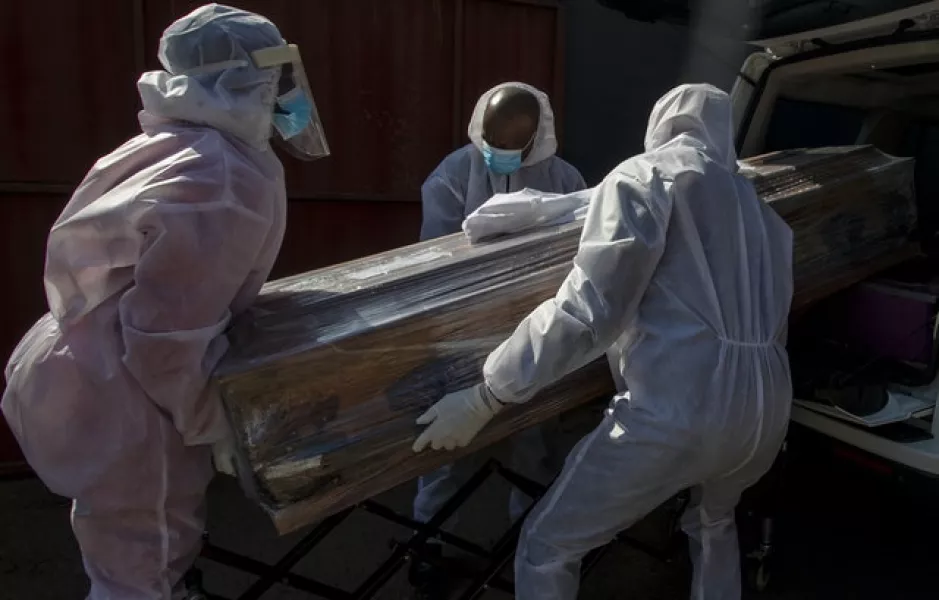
395, 82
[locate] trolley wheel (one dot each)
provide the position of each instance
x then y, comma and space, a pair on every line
758, 575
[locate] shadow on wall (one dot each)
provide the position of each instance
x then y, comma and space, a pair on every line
615, 70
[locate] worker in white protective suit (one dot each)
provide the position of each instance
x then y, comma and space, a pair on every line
512, 147
166, 239
684, 270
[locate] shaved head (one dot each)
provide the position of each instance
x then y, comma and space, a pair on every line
511, 119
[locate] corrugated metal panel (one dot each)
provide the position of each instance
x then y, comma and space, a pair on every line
11, 459
325, 233
531, 57
382, 75
68, 74
23, 226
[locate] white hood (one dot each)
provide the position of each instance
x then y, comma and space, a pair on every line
545, 144
700, 112
203, 100
209, 77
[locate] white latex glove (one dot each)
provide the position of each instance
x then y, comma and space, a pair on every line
223, 456
456, 418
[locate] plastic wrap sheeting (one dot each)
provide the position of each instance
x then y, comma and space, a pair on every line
330, 368
852, 211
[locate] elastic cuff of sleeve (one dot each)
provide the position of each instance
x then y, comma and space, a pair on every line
494, 404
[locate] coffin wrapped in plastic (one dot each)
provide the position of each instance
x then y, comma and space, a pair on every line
329, 370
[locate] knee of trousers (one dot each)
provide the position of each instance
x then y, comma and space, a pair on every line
714, 524
538, 548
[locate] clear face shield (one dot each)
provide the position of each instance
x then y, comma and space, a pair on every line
296, 121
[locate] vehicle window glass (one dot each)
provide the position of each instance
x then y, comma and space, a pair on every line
801, 124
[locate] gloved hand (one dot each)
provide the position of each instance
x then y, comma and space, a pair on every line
456, 418
223, 456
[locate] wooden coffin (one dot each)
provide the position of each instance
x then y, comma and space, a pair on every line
329, 370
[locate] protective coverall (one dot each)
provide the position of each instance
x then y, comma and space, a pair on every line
164, 241
688, 275
454, 190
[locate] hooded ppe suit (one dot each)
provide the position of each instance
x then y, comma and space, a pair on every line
456, 188
163, 242
689, 275
462, 182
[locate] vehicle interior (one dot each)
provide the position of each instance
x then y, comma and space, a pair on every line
885, 95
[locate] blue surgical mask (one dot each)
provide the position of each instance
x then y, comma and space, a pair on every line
294, 115
501, 162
